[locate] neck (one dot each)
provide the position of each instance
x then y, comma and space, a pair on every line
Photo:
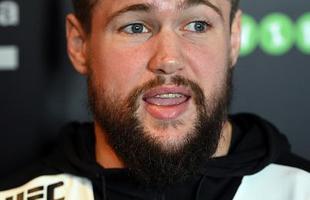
107, 157
225, 139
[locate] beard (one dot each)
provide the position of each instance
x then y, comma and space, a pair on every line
148, 160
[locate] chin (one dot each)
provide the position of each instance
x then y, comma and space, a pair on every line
170, 135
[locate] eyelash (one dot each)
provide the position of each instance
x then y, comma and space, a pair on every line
144, 27
205, 24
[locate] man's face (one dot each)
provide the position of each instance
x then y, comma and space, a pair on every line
163, 65
134, 41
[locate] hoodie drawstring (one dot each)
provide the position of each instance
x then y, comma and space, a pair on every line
197, 196
104, 188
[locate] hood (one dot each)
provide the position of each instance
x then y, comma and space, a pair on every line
255, 144
75, 151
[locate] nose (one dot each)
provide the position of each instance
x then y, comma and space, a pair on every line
167, 58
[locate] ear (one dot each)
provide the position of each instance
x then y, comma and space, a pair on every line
235, 37
76, 44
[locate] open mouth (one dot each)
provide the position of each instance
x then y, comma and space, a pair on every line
166, 102
167, 99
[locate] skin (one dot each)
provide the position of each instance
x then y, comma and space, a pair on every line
169, 46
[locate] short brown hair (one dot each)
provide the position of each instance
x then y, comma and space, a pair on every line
83, 11
234, 9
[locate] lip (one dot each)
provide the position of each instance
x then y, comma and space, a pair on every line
170, 108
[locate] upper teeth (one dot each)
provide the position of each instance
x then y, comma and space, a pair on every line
169, 95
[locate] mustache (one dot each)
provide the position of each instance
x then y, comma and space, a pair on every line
198, 95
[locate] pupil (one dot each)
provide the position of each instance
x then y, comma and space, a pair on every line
137, 28
199, 26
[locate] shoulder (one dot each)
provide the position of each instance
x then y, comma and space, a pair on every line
292, 160
276, 182
46, 186
52, 177
23, 175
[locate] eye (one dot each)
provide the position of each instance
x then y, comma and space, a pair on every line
135, 28
197, 26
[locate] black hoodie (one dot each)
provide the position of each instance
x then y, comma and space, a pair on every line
259, 165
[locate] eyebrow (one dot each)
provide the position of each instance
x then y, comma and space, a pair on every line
146, 7
143, 7
190, 3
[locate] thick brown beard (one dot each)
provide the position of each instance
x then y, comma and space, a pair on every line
145, 158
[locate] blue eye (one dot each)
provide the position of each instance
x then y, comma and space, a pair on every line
197, 26
135, 28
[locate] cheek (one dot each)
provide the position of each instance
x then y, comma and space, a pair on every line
122, 67
209, 63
